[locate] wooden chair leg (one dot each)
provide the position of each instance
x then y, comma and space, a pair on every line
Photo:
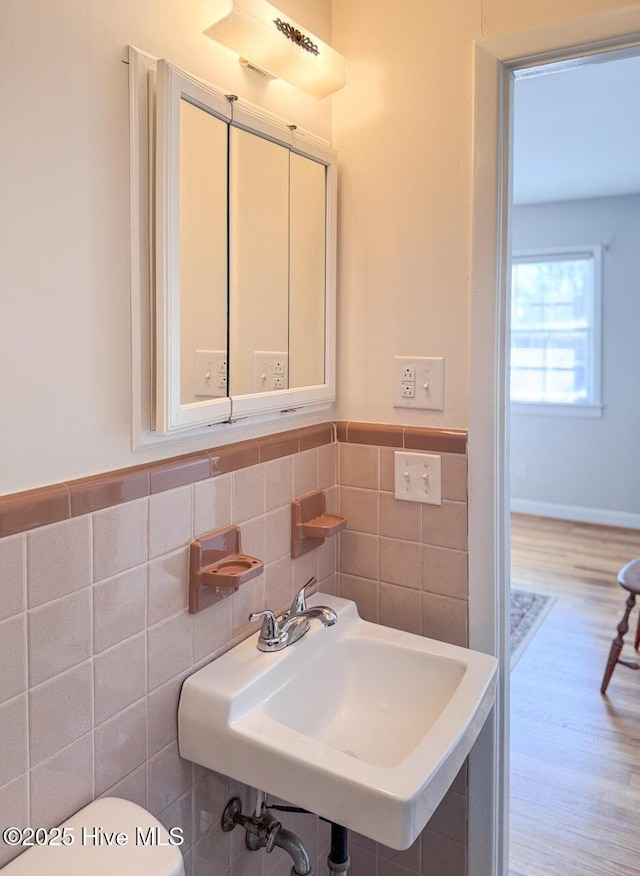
614, 653
618, 642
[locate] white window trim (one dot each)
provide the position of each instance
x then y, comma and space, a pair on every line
594, 408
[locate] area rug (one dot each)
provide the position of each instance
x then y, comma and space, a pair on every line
528, 610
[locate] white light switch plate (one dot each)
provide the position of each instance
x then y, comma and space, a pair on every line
419, 383
418, 477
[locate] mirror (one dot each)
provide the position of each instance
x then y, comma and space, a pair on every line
277, 204
245, 254
203, 254
259, 262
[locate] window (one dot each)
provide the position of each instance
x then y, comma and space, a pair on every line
555, 331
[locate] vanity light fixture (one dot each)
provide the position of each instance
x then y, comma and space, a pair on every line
277, 46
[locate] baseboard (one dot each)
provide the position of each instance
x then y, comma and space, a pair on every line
601, 516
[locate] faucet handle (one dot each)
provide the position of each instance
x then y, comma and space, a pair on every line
270, 627
300, 599
272, 637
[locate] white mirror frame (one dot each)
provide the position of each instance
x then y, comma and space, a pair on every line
247, 415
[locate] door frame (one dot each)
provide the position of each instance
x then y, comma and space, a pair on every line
496, 59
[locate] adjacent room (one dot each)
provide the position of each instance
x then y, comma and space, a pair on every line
575, 416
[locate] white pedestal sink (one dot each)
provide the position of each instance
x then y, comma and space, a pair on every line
362, 724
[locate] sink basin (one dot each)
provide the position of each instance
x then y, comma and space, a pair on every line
364, 725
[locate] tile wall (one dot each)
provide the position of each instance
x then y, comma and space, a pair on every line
95, 641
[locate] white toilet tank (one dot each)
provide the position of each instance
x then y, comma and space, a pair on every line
109, 837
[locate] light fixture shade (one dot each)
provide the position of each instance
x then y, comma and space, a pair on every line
273, 42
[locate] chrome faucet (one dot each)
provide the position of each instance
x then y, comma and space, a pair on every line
277, 633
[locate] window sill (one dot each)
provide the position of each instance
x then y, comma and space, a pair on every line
592, 411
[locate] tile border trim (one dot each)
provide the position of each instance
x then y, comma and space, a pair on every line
20, 512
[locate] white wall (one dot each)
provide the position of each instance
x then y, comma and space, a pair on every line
64, 217
589, 463
403, 130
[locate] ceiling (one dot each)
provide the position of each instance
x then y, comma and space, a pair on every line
577, 132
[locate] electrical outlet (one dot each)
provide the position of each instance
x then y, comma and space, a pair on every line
408, 390
210, 374
270, 371
427, 379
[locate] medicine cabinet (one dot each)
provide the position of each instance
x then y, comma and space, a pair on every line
233, 268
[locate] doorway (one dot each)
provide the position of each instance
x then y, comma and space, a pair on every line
575, 228
496, 61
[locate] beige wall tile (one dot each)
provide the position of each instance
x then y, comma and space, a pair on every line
303, 568
444, 571
169, 778
327, 558
445, 525
63, 784
212, 504
162, 709
399, 519
450, 818
180, 815
13, 739
252, 537
444, 618
210, 855
442, 856
364, 592
249, 598
358, 466
363, 862
60, 635
305, 472
119, 539
277, 534
327, 465
278, 483
210, 796
211, 629
167, 585
278, 584
120, 746
133, 787
13, 562
454, 476
170, 525
119, 608
120, 677
13, 657
14, 806
169, 649
248, 493
401, 608
387, 469
359, 554
361, 508
401, 562
58, 560
60, 711
410, 858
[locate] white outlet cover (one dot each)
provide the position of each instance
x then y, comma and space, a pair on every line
429, 382
210, 374
270, 370
418, 477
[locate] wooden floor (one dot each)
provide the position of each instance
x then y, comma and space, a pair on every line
575, 755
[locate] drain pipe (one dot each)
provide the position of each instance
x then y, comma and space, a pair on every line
267, 833
338, 860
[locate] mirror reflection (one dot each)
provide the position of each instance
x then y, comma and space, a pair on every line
203, 254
